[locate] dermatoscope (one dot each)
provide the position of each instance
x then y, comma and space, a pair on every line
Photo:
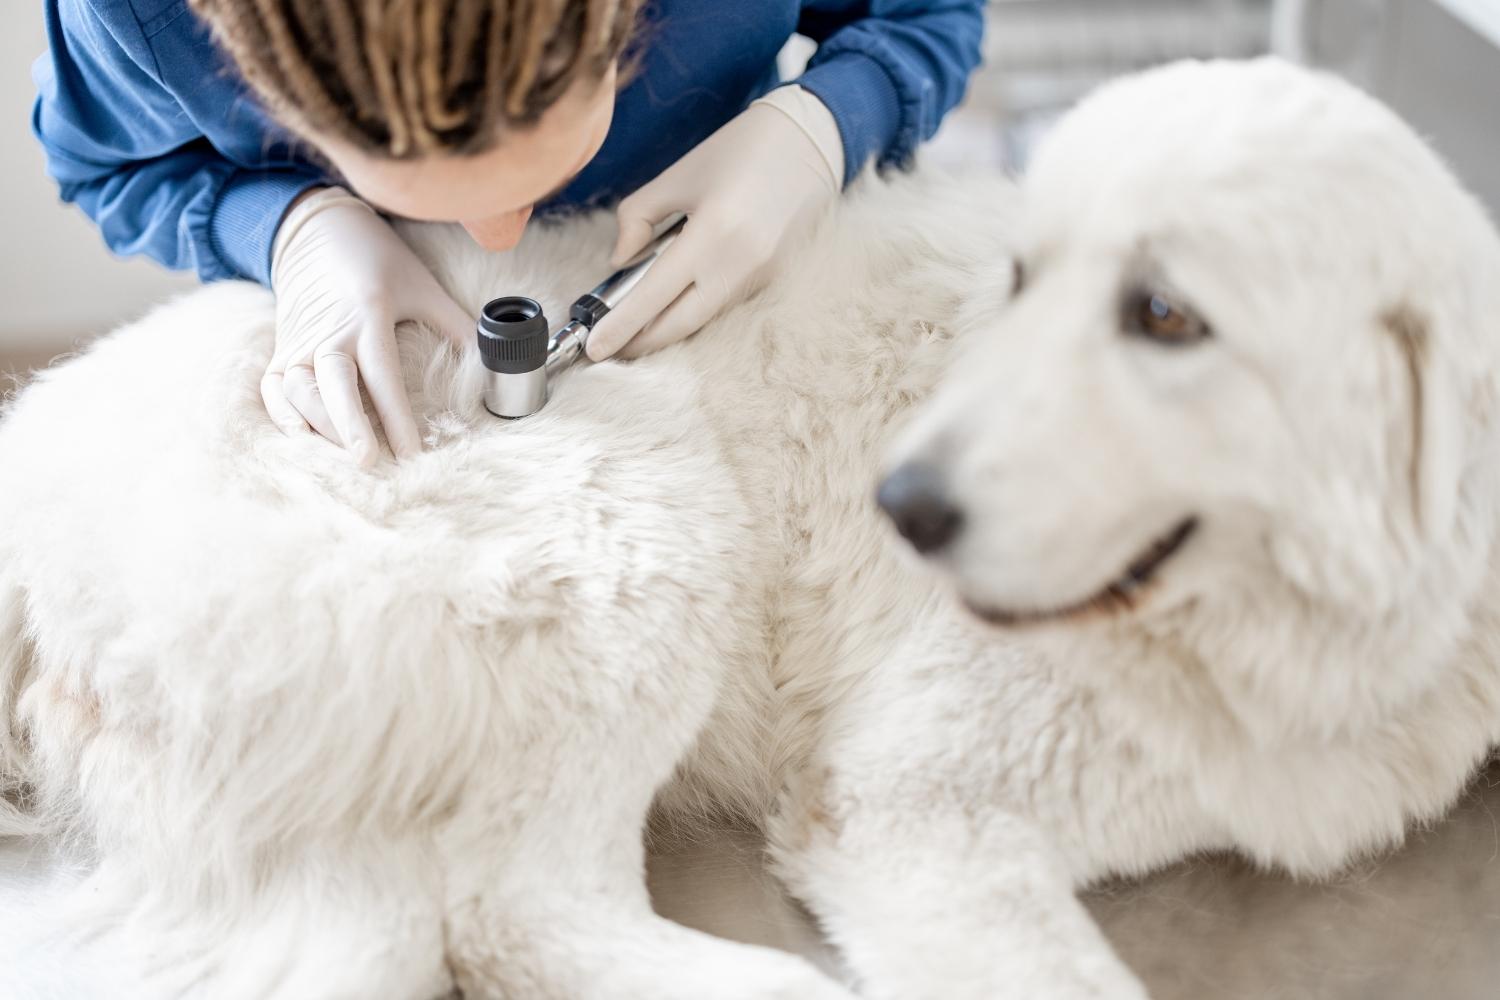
520, 352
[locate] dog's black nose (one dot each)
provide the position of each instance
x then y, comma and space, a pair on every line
916, 500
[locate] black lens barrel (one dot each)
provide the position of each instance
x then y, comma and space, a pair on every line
512, 335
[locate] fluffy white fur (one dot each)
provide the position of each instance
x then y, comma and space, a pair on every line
336, 733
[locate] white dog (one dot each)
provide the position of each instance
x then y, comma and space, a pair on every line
1226, 466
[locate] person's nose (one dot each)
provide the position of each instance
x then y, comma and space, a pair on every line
499, 232
916, 500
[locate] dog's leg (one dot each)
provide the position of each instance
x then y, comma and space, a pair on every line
342, 923
547, 895
600, 947
948, 907
922, 839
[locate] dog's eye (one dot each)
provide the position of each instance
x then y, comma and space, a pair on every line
1155, 315
1017, 277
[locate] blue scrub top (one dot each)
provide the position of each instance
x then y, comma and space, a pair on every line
150, 130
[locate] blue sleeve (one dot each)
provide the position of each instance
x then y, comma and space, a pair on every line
120, 147
889, 70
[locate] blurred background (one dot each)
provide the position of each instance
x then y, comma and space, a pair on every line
1436, 61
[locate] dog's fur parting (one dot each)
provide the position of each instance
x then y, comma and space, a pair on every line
332, 733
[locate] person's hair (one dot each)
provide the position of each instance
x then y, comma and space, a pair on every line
403, 78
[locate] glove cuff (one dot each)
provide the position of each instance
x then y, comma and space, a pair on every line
298, 216
240, 224
813, 118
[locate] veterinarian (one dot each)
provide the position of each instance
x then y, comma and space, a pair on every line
270, 141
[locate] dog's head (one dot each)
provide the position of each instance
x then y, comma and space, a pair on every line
1247, 338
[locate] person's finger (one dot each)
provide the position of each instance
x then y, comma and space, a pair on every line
666, 280
635, 233
380, 367
283, 414
300, 387
338, 385
448, 318
681, 320
638, 217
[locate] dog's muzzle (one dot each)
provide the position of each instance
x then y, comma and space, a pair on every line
916, 500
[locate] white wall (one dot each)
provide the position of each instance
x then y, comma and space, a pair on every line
1443, 75
57, 281
1436, 62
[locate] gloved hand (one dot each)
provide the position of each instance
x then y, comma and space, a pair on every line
746, 189
343, 279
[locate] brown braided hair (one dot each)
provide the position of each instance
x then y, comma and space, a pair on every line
403, 78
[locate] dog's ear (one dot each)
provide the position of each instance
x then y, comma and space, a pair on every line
1436, 428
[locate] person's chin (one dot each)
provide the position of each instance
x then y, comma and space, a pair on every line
499, 236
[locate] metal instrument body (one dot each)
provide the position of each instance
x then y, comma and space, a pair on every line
521, 360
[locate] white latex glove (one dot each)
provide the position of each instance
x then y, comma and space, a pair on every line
746, 189
343, 279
